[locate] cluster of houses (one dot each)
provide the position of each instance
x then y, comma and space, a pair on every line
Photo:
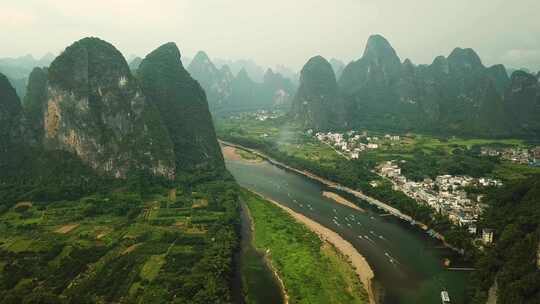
260, 115
445, 194
353, 143
523, 156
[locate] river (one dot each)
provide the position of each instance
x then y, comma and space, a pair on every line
408, 264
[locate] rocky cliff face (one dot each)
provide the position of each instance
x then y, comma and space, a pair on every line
95, 109
183, 107
10, 115
316, 102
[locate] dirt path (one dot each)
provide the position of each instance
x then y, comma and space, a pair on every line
359, 263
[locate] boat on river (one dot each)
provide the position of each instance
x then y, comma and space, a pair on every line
445, 298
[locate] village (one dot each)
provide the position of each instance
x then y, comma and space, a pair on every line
352, 143
524, 156
261, 115
445, 194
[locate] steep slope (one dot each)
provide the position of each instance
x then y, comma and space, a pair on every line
10, 114
468, 96
183, 107
522, 100
244, 92
454, 95
216, 83
95, 109
35, 101
499, 76
316, 102
276, 90
370, 87
338, 66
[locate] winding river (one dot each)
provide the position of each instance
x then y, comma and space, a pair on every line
407, 263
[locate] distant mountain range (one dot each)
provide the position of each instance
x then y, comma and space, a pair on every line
228, 91
455, 95
18, 69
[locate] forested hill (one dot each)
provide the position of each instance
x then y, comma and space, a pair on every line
182, 106
90, 108
454, 95
316, 102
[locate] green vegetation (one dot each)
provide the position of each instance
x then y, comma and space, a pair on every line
514, 214
110, 223
312, 271
122, 246
182, 106
10, 113
421, 157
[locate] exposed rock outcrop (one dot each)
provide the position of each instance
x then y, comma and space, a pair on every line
96, 110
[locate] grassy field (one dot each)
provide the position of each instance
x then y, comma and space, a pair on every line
312, 270
116, 248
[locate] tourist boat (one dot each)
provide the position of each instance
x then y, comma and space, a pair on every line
445, 298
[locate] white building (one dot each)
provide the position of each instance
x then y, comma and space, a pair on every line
487, 236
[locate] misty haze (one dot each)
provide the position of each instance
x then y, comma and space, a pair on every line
267, 152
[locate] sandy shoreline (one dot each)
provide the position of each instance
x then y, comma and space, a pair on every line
359, 263
231, 153
341, 200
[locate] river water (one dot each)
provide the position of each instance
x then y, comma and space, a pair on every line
407, 263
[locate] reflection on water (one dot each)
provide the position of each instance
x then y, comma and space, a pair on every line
259, 281
406, 262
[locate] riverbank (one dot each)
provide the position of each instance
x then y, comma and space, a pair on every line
233, 154
313, 262
359, 263
261, 283
331, 184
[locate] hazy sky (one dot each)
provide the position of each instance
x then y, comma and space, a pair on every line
279, 31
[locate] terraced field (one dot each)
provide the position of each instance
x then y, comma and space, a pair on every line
118, 247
